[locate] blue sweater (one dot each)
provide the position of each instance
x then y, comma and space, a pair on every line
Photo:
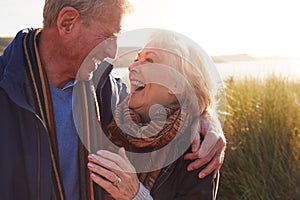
67, 140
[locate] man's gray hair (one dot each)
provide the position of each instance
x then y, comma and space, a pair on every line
88, 9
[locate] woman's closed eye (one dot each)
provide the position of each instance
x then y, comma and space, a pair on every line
150, 60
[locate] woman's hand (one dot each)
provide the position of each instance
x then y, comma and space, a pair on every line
114, 173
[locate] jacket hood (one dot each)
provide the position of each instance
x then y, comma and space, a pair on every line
12, 61
12, 70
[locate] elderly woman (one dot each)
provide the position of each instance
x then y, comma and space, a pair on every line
170, 87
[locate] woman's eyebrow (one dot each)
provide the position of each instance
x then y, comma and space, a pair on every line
151, 52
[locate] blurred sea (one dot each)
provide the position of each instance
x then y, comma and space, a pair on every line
286, 68
260, 69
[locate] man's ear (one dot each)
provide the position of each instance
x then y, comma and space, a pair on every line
66, 19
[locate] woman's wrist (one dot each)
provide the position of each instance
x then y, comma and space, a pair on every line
142, 194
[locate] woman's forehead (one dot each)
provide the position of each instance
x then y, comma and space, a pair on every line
160, 53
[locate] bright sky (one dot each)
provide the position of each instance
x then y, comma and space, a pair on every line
255, 27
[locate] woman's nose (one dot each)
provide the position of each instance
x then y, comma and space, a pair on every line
130, 67
135, 65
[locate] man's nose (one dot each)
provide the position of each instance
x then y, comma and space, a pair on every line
111, 48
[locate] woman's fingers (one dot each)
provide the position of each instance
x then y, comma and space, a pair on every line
104, 162
107, 174
114, 173
120, 161
106, 185
111, 165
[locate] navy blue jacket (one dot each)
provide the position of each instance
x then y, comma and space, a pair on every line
25, 165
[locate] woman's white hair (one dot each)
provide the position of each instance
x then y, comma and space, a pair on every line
192, 62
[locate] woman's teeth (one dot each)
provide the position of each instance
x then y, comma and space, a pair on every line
138, 85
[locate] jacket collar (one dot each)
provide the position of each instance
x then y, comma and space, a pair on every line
101, 75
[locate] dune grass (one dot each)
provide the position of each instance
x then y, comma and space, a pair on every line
3, 43
262, 128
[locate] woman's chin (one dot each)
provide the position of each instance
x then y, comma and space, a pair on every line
132, 104
137, 107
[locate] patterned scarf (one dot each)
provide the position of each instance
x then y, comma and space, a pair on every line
149, 137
